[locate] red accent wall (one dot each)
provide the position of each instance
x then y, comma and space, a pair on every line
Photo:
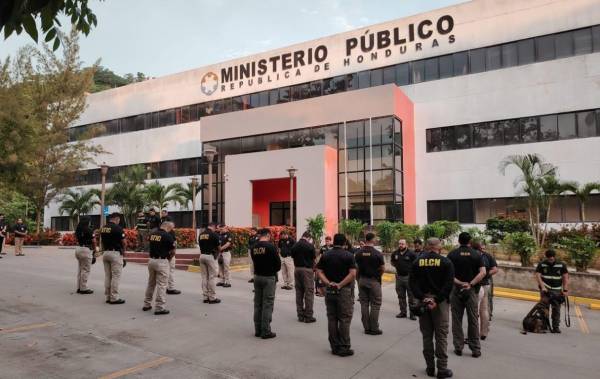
266, 191
404, 109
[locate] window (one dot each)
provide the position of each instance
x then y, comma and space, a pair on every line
548, 128
376, 77
402, 74
511, 131
446, 66
166, 117
477, 60
254, 100
447, 138
364, 79
316, 88
127, 125
586, 124
245, 101
434, 211
355, 134
263, 98
449, 210
526, 51
460, 61
284, 94
356, 159
418, 71
279, 212
383, 181
112, 127
389, 75
273, 96
301, 91
185, 115
139, 122
529, 129
431, 69
463, 136
564, 44
351, 82
596, 38
487, 134
434, 140
544, 48
510, 56
582, 41
466, 213
493, 58
566, 126
237, 104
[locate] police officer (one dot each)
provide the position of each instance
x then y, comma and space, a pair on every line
225, 245
252, 239
141, 226
418, 246
153, 220
162, 249
208, 241
552, 277
337, 271
491, 268
402, 259
84, 252
3, 231
287, 262
266, 266
20, 230
319, 288
112, 237
370, 269
164, 216
469, 270
171, 290
303, 254
430, 279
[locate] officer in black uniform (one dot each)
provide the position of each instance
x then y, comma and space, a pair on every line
402, 260
3, 231
209, 242
430, 279
469, 270
266, 266
303, 254
113, 245
162, 249
319, 288
251, 241
418, 246
285, 244
337, 271
371, 267
141, 226
153, 220
224, 260
553, 280
84, 253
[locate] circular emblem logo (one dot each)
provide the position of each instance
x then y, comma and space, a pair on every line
209, 83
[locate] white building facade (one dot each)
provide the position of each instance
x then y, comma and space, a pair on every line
406, 120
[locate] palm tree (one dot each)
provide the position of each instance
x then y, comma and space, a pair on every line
534, 169
582, 192
128, 192
187, 194
158, 195
76, 204
552, 187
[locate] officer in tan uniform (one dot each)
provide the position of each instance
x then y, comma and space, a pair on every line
162, 250
113, 245
208, 241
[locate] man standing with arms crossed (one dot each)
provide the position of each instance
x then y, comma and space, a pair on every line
286, 242
208, 241
430, 280
113, 245
303, 255
370, 268
402, 259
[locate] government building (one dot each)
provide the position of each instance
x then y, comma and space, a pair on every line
407, 120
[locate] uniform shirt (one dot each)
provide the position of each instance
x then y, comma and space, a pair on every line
325, 249
153, 222
285, 247
552, 273
225, 238
161, 244
84, 235
369, 260
20, 230
304, 254
431, 274
112, 236
490, 263
265, 259
251, 241
3, 228
467, 262
209, 242
336, 264
402, 261
142, 223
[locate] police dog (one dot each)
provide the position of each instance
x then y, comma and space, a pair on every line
537, 320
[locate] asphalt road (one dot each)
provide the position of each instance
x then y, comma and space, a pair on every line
49, 331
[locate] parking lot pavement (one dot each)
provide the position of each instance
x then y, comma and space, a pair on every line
49, 331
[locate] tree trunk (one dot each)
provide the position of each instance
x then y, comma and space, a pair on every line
38, 219
546, 224
582, 213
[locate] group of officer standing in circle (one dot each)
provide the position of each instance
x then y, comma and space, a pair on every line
438, 288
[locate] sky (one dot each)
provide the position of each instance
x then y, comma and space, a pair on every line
168, 36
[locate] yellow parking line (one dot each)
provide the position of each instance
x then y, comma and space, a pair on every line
140, 367
582, 323
25, 328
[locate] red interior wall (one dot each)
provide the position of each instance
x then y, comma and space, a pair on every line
266, 191
405, 111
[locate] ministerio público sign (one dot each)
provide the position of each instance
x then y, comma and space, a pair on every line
338, 55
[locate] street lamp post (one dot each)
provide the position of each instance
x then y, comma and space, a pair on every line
292, 172
103, 172
209, 153
194, 185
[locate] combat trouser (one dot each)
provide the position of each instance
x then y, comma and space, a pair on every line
158, 276
264, 301
113, 266
554, 307
224, 272
402, 290
484, 310
305, 291
287, 271
19, 245
171, 281
458, 307
142, 240
369, 295
208, 272
340, 307
434, 324
84, 258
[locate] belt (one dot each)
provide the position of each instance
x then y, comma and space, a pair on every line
159, 257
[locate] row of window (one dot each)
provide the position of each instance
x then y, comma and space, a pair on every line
551, 127
538, 49
478, 211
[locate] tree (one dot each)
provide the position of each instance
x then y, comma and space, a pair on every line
315, 226
186, 194
128, 192
582, 251
534, 169
352, 229
521, 243
582, 193
19, 15
51, 95
388, 234
551, 188
158, 195
76, 204
105, 79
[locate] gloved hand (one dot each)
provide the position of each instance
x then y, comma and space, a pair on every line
124, 263
93, 260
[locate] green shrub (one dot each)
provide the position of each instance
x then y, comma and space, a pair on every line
433, 230
582, 251
451, 229
408, 232
521, 243
316, 226
498, 227
352, 229
388, 232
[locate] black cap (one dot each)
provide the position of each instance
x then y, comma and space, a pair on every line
264, 232
464, 238
550, 253
339, 239
114, 215
369, 237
